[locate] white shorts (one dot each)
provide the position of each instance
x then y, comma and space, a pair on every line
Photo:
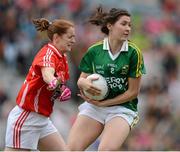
24, 129
104, 114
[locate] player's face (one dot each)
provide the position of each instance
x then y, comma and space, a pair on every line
67, 40
121, 29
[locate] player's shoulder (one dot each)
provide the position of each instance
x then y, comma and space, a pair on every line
97, 45
133, 46
45, 53
45, 50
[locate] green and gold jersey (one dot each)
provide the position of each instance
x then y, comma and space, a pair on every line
128, 62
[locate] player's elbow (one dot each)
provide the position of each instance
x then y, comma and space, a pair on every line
134, 94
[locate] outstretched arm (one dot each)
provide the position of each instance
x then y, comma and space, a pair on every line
49, 78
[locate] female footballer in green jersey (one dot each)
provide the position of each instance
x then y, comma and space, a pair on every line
121, 63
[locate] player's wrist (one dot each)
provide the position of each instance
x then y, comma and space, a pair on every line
53, 84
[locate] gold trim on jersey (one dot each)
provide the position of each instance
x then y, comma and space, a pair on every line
96, 44
93, 66
135, 121
138, 71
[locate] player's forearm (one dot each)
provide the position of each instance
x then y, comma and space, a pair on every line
48, 78
125, 97
48, 74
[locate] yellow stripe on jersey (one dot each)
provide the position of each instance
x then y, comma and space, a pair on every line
96, 44
94, 71
135, 121
138, 71
139, 59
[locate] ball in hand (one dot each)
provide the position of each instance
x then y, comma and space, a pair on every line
99, 83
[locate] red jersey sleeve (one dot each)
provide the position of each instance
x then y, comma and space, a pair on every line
45, 58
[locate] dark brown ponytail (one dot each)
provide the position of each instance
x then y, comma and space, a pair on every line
101, 18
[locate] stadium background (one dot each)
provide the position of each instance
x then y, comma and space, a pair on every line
156, 30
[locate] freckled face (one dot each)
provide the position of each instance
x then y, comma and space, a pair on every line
66, 41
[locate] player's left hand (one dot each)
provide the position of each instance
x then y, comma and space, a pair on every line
65, 93
82, 95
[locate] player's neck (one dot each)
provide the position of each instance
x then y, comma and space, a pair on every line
115, 45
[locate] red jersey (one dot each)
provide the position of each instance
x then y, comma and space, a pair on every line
34, 95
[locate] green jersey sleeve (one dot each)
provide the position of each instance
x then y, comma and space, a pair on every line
136, 67
86, 63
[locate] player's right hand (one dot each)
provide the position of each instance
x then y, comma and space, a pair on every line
87, 85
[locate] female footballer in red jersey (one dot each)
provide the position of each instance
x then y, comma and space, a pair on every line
28, 125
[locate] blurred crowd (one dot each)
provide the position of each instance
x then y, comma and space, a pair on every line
156, 30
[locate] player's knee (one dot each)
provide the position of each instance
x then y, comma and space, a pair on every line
73, 146
109, 148
77, 145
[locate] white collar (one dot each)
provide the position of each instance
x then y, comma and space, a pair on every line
106, 45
